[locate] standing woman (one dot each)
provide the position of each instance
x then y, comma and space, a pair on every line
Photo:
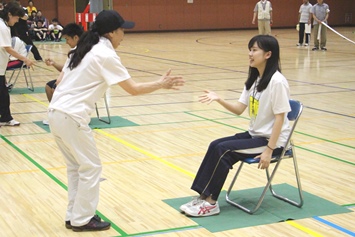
8, 17
266, 95
90, 69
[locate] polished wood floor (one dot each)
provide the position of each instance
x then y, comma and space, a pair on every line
157, 160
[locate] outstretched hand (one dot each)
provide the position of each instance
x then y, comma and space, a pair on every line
208, 97
171, 82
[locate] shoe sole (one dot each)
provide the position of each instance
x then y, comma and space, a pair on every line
78, 229
209, 214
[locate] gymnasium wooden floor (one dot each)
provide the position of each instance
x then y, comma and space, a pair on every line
157, 160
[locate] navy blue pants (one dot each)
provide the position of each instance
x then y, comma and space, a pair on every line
221, 155
5, 113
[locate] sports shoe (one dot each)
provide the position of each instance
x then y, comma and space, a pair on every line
193, 202
324, 49
298, 44
10, 123
45, 122
69, 226
315, 48
204, 208
305, 44
95, 224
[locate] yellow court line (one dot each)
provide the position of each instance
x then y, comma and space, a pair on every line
147, 153
32, 98
304, 229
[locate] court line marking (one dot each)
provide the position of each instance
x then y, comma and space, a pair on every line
335, 226
304, 229
147, 153
55, 179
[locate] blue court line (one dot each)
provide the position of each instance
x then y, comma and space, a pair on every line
334, 226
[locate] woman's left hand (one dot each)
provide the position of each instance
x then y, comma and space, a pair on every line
265, 159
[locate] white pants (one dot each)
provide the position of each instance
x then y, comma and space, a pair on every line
77, 144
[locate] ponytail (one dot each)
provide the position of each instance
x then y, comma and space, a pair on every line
85, 44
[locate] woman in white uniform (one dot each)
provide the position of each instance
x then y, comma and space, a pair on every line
91, 68
8, 17
266, 95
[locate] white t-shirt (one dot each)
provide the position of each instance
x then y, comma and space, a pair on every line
273, 100
83, 86
19, 46
305, 11
5, 41
55, 28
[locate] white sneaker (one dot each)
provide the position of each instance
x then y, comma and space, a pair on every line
305, 45
193, 202
204, 208
298, 44
10, 123
45, 122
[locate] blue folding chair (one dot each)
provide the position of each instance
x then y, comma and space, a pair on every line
22, 67
288, 152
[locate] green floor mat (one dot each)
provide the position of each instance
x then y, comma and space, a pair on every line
272, 210
116, 121
15, 90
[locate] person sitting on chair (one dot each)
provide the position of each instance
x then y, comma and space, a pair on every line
71, 33
266, 96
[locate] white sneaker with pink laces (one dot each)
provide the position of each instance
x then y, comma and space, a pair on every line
203, 208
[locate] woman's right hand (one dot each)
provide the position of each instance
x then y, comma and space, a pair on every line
208, 97
28, 62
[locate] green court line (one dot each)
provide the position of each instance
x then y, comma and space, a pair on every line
348, 205
55, 179
165, 230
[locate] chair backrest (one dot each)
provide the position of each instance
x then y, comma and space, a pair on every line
296, 110
28, 48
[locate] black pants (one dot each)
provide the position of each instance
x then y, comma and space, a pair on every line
301, 34
221, 155
27, 39
5, 113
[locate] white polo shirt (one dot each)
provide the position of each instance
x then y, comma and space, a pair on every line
5, 41
273, 100
83, 86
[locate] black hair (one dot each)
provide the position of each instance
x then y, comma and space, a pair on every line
72, 30
268, 44
14, 9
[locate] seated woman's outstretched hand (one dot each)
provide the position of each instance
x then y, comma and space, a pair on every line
208, 97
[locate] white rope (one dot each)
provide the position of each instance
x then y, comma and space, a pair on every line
337, 33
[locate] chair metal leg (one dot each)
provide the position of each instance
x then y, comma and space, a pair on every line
267, 186
299, 187
29, 75
108, 121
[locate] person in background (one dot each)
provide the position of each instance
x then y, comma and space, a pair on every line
8, 17
55, 30
20, 29
31, 8
320, 13
263, 11
40, 31
304, 18
266, 96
